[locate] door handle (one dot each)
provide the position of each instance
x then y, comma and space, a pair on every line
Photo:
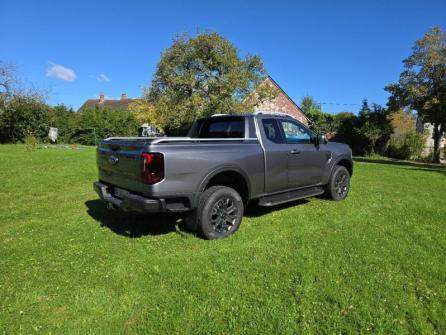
295, 152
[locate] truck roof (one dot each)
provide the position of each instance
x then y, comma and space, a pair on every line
269, 113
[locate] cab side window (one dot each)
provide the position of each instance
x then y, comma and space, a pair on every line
272, 130
295, 133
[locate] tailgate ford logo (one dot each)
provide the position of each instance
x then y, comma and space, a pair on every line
113, 160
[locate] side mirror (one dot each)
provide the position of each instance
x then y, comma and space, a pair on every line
321, 139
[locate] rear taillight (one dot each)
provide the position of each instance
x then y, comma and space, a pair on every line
153, 167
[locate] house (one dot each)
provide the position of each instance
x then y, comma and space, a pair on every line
281, 103
102, 102
122, 104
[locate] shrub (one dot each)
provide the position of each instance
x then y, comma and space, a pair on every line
96, 124
429, 156
64, 119
407, 146
30, 143
22, 116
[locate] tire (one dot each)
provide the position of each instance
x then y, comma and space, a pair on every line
218, 214
339, 184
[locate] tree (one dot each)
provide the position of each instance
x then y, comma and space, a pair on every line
365, 109
199, 76
64, 119
345, 130
23, 111
22, 116
11, 85
143, 111
308, 104
374, 126
422, 85
403, 122
8, 79
320, 122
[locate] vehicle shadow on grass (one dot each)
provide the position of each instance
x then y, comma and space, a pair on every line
413, 165
132, 224
253, 210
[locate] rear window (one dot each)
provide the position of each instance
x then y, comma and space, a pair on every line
222, 127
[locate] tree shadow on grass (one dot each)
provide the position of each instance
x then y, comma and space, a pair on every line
132, 224
414, 165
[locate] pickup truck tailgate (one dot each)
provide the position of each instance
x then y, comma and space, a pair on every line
120, 163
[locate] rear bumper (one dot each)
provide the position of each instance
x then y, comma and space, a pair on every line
129, 201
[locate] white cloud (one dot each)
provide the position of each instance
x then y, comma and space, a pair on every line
102, 77
60, 72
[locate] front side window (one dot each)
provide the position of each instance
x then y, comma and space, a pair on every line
295, 133
272, 130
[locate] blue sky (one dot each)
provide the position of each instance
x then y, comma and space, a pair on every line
337, 51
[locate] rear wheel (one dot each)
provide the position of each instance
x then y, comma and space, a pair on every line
339, 184
219, 213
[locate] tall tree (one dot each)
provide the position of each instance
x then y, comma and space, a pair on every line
322, 123
8, 79
422, 85
142, 110
365, 109
374, 126
23, 111
308, 104
199, 76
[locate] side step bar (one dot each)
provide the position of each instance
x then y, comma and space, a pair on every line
276, 199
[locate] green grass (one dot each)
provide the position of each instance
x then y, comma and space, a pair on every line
374, 263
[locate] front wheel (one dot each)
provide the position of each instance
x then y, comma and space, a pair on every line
339, 184
219, 213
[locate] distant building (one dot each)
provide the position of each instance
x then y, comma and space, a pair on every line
282, 103
428, 129
145, 129
102, 102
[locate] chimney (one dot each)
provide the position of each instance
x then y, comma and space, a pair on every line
101, 98
123, 96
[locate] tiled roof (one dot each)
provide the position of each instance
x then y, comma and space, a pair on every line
111, 104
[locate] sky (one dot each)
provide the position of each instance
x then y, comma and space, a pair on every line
339, 52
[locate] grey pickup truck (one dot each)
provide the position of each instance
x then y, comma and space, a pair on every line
224, 163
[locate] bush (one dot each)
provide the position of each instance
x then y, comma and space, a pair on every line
30, 143
64, 120
407, 146
427, 157
23, 116
28, 119
96, 124
322, 123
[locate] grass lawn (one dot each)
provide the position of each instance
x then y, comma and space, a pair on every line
375, 263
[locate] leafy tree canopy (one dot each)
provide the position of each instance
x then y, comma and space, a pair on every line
199, 76
422, 85
320, 122
374, 125
143, 111
22, 116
